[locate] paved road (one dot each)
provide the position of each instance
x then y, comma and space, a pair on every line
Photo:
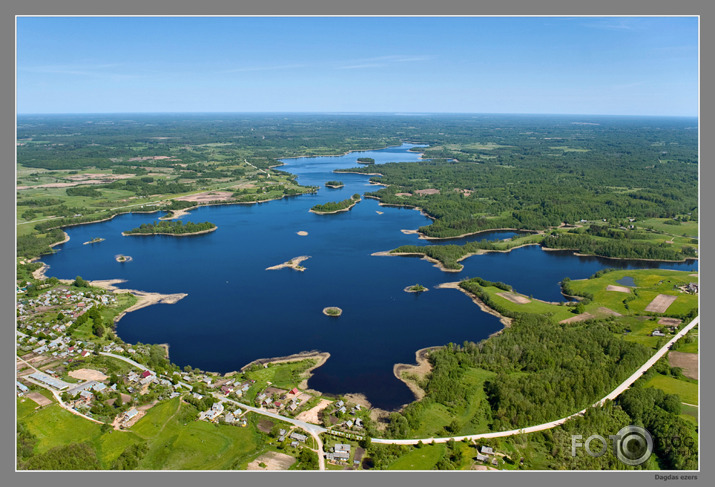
128, 360
531, 429
56, 394
313, 429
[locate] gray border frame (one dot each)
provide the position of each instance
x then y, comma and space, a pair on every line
318, 7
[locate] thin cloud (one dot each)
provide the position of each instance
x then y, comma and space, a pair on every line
89, 71
381, 61
618, 24
276, 67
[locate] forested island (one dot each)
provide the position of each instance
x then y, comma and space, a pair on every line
365, 160
336, 207
334, 184
176, 228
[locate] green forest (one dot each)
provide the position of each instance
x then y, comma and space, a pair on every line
335, 206
176, 227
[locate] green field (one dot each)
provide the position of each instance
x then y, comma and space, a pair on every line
689, 228
282, 375
175, 440
649, 283
424, 458
688, 391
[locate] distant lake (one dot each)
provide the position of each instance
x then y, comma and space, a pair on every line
236, 311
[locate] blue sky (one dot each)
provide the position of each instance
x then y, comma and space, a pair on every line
579, 65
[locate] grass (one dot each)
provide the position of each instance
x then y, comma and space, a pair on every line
283, 375
689, 228
424, 458
691, 347
688, 391
650, 283
176, 443
54, 426
434, 417
689, 413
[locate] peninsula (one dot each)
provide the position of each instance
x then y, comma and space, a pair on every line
294, 264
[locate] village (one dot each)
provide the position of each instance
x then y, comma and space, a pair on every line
68, 354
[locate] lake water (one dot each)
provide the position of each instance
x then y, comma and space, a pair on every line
236, 311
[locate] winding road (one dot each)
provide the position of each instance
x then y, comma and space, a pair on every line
315, 430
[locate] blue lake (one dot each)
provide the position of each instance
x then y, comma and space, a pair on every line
236, 311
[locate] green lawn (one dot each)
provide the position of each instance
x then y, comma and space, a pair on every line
649, 283
175, 442
178, 443
424, 458
691, 347
689, 228
688, 391
689, 413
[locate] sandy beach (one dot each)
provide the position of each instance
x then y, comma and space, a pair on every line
294, 264
144, 298
406, 372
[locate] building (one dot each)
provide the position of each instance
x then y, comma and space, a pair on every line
130, 415
487, 450
298, 436
22, 387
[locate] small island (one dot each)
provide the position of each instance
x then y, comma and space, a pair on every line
336, 207
173, 228
94, 240
334, 184
366, 160
417, 288
122, 258
333, 311
294, 264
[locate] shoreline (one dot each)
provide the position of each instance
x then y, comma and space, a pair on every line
293, 263
336, 211
125, 234
506, 321
320, 357
144, 298
421, 368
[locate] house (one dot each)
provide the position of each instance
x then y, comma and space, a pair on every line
293, 391
495, 462
197, 395
339, 404
130, 414
349, 424
341, 447
294, 444
229, 418
298, 436
343, 410
487, 450
23, 388
99, 387
85, 353
358, 422
86, 396
145, 374
657, 333
282, 432
482, 458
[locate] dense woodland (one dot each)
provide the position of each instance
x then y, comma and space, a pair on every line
333, 206
176, 227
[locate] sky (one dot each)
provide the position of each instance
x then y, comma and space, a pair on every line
549, 65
